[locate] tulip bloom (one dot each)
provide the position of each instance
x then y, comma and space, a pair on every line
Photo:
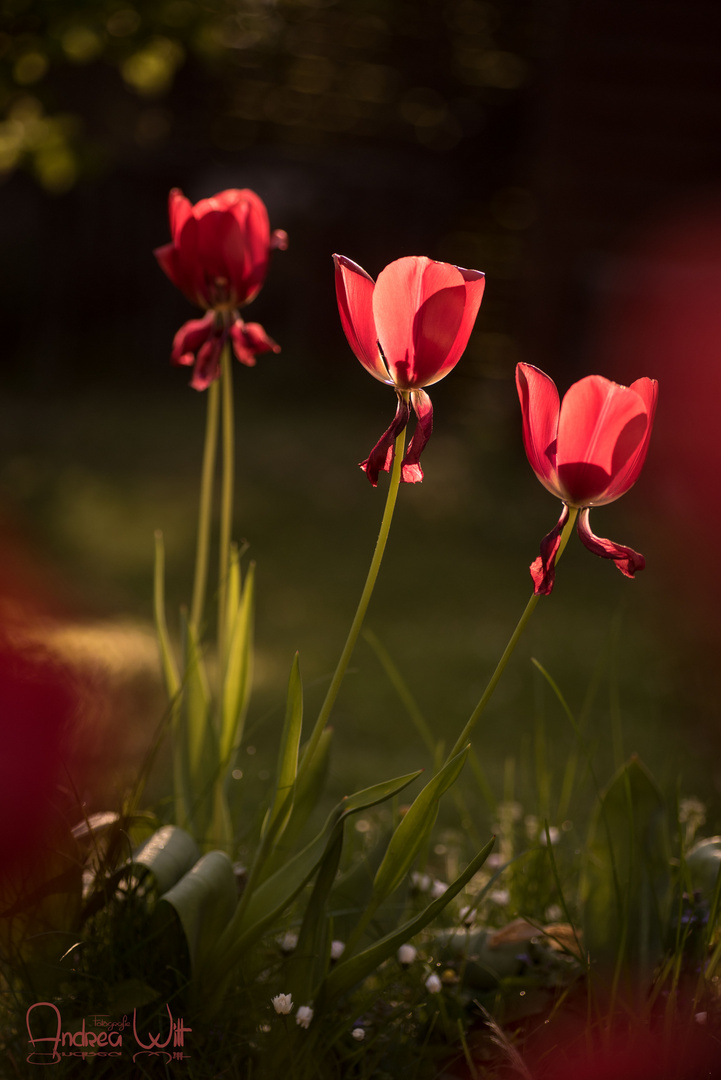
587, 450
218, 258
408, 330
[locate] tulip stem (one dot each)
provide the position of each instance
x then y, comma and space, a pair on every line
226, 505
205, 511
508, 652
363, 603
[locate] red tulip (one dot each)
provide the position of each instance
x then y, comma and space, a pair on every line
587, 450
408, 330
218, 258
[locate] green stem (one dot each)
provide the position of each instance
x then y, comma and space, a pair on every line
204, 512
357, 623
226, 505
508, 652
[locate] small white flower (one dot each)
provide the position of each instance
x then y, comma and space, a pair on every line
500, 897
494, 860
433, 984
337, 948
289, 941
553, 835
419, 881
265, 1028
358, 1034
554, 913
438, 888
283, 1004
407, 954
304, 1016
701, 1017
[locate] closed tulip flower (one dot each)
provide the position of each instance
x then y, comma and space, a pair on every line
587, 450
408, 329
218, 258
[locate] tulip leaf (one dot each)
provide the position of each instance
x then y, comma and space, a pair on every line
270, 898
412, 830
309, 784
204, 899
170, 671
238, 671
626, 884
348, 972
168, 855
308, 964
282, 804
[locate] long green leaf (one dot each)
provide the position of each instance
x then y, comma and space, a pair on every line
349, 972
273, 895
282, 804
412, 830
170, 670
626, 884
238, 673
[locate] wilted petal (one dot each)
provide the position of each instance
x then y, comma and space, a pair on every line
543, 569
191, 336
354, 292
626, 559
207, 366
249, 339
412, 473
380, 458
540, 406
601, 428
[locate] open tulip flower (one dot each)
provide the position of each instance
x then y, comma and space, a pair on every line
587, 450
218, 258
408, 329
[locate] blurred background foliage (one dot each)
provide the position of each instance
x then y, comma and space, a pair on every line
537, 140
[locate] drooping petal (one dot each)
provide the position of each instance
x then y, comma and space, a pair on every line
626, 559
411, 472
380, 458
354, 292
190, 337
543, 569
418, 309
249, 339
626, 478
207, 366
601, 427
540, 406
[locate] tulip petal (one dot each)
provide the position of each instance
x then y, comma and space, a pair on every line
540, 406
380, 458
179, 210
418, 309
626, 559
249, 339
354, 291
627, 477
601, 427
191, 336
207, 366
412, 473
475, 284
543, 569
